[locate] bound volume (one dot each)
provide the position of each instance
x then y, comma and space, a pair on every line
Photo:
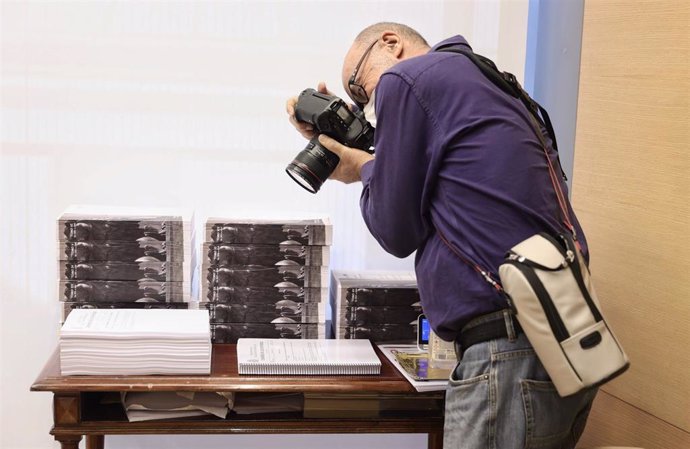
306, 357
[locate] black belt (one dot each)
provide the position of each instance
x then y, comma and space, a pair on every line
490, 330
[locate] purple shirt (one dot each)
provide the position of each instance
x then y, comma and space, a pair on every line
455, 152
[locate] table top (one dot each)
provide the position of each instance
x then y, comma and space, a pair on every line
224, 378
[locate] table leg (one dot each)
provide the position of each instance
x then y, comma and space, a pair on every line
69, 441
95, 441
435, 440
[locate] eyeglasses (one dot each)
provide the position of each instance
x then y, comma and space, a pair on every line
357, 92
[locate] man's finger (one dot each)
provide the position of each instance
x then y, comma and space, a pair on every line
332, 144
323, 89
290, 106
301, 126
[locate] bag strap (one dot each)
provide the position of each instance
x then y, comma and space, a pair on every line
562, 200
484, 273
510, 85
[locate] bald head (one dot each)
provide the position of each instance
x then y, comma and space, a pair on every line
372, 32
376, 49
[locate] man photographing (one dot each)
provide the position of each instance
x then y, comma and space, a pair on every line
458, 162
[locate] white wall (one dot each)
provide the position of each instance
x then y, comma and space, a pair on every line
176, 103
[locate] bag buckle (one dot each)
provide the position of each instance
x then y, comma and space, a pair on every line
509, 78
515, 257
569, 258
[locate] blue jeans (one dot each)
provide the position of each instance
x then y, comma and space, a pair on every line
500, 397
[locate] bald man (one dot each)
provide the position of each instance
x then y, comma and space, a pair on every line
459, 164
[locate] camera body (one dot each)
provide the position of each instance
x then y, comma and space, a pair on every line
329, 115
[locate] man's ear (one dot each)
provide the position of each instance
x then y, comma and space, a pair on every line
393, 43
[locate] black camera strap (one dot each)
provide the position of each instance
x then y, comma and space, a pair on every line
510, 85
538, 116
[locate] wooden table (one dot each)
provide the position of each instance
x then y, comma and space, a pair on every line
78, 412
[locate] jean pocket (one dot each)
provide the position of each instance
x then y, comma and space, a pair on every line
468, 413
459, 383
549, 418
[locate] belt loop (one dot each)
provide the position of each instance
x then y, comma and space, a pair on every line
508, 318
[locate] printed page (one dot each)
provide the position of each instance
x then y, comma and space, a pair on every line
134, 323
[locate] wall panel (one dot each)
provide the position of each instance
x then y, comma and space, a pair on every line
630, 190
617, 423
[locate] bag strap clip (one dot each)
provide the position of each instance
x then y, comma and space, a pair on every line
569, 258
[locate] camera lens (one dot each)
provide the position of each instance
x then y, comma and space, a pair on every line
312, 166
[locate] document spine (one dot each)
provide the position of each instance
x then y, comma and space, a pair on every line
309, 369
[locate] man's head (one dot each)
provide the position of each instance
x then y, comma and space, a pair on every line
376, 49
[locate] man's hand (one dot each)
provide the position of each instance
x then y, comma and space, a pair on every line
303, 128
351, 160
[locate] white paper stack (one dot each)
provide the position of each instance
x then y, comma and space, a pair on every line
135, 342
150, 405
307, 357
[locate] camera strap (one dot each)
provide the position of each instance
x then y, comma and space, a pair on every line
538, 116
509, 84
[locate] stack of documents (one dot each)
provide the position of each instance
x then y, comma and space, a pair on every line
308, 357
119, 257
135, 342
146, 406
414, 365
381, 306
265, 276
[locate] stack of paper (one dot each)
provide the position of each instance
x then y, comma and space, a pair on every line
308, 357
381, 306
413, 364
265, 276
121, 257
135, 342
146, 406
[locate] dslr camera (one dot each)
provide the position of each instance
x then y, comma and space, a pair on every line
330, 116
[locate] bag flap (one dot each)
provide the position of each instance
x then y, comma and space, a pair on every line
541, 249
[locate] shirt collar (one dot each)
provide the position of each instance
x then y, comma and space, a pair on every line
455, 40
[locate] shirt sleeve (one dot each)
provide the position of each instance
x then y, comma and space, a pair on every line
394, 182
